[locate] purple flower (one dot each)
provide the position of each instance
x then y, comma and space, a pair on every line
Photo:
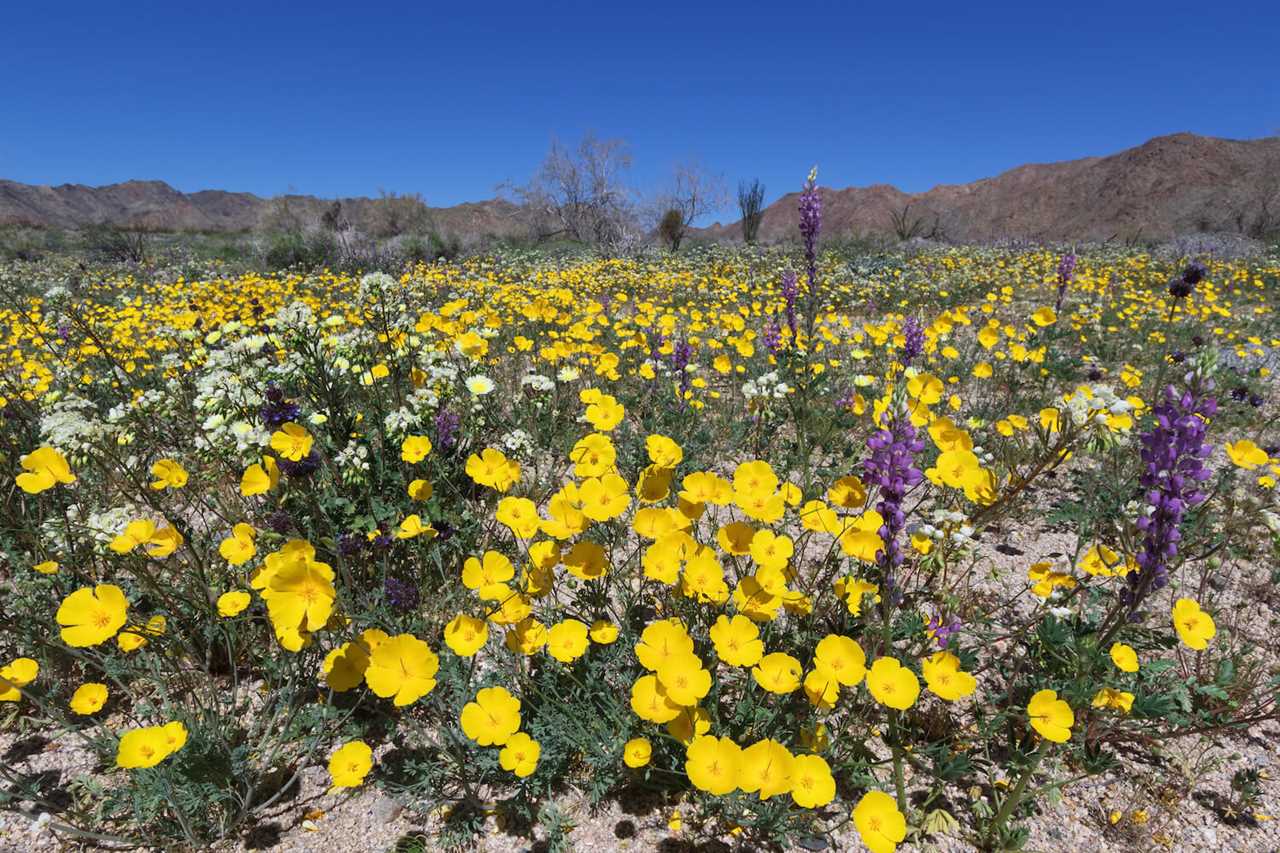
772, 336
447, 424
681, 354
891, 467
790, 290
811, 226
940, 631
1174, 453
1182, 286
912, 340
1066, 272
350, 544
280, 522
277, 410
401, 595
304, 467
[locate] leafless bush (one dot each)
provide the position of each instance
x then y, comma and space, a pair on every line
391, 215
751, 207
692, 194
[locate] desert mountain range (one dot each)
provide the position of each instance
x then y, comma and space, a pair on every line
1170, 185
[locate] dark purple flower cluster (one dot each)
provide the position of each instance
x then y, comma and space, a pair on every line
277, 410
350, 544
401, 595
811, 227
447, 424
280, 522
1066, 272
1182, 286
304, 467
1173, 453
790, 290
681, 354
912, 341
891, 468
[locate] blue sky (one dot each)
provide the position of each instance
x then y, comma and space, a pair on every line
449, 100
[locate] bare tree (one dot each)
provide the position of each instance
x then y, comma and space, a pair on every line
751, 206
693, 193
581, 193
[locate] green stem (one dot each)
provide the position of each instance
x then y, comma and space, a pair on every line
1015, 796
899, 782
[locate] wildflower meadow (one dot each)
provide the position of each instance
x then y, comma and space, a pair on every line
736, 528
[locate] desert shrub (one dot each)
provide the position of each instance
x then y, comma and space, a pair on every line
115, 245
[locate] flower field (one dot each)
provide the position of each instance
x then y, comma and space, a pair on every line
731, 528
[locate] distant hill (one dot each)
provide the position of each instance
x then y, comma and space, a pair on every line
154, 205
1171, 185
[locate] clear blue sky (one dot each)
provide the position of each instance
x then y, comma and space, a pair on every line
451, 99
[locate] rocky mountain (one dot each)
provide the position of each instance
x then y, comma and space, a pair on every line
1171, 185
154, 205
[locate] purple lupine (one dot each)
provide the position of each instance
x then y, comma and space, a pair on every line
447, 424
790, 290
1174, 453
912, 341
891, 467
810, 227
681, 354
1181, 287
402, 595
1066, 272
304, 467
772, 336
277, 410
280, 522
350, 544
942, 631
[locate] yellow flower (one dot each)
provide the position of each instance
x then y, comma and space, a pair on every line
892, 684
344, 668
684, 679
1117, 699
1124, 657
650, 702
945, 678
135, 533
1101, 561
89, 698
1050, 716
412, 527
812, 785
491, 569
402, 667
238, 548
261, 478
603, 632
879, 823
92, 615
16, 675
847, 492
466, 635
149, 745
292, 441
663, 452
661, 640
520, 755
44, 468
415, 448
492, 469
233, 602
492, 718
350, 764
1247, 455
135, 637
778, 673
637, 752
299, 597
421, 490
567, 640
48, 567
1195, 627
712, 763
1044, 317
168, 475
843, 657
737, 640
520, 515
764, 769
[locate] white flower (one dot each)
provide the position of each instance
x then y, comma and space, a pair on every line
479, 385
567, 374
